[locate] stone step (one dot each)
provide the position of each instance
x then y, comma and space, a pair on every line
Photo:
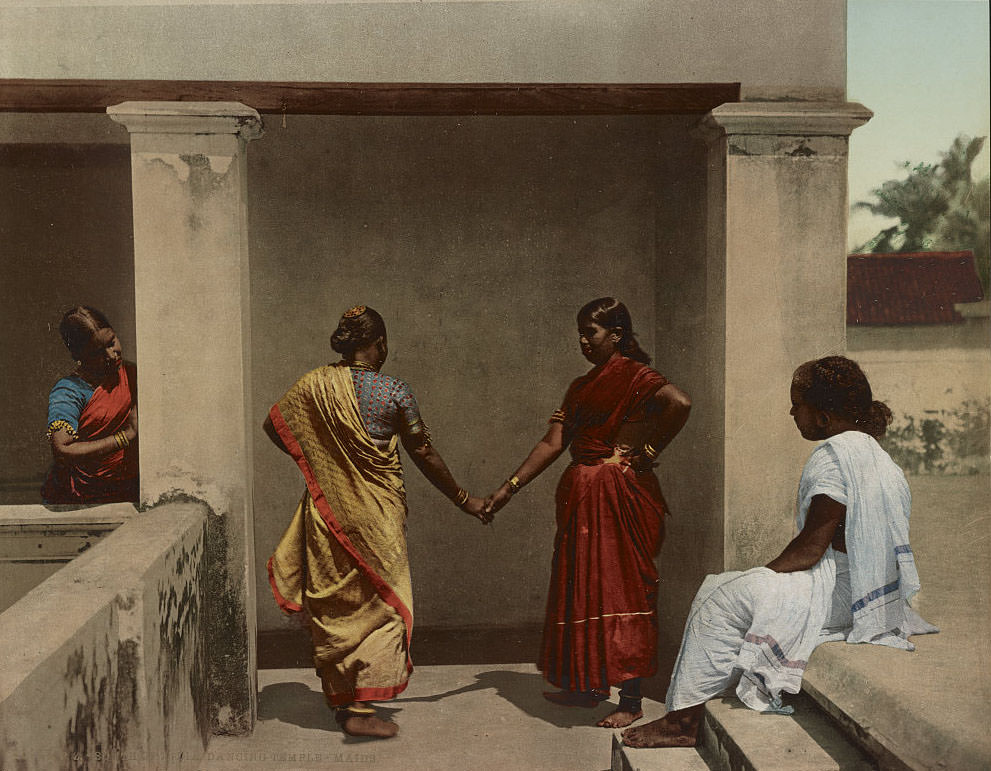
673, 759
735, 738
739, 738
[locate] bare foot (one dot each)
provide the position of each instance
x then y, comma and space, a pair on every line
661, 733
369, 725
575, 699
619, 718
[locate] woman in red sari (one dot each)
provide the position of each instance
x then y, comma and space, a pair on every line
92, 417
601, 624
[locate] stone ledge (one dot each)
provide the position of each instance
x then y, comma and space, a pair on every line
926, 708
104, 665
29, 514
902, 708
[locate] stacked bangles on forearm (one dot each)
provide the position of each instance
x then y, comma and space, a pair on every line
121, 440
461, 497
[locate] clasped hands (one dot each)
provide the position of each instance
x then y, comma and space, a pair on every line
475, 507
484, 510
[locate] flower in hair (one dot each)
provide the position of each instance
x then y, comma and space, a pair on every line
354, 312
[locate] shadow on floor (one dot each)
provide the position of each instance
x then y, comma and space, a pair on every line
299, 705
524, 690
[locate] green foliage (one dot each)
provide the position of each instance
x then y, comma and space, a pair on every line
939, 207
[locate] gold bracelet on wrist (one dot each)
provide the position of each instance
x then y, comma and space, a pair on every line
514, 484
461, 498
650, 451
121, 439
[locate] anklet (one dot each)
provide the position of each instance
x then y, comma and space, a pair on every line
626, 704
349, 710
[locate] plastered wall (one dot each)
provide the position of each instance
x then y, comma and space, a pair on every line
65, 239
477, 239
775, 48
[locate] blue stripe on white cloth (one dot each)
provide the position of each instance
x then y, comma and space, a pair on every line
772, 644
871, 596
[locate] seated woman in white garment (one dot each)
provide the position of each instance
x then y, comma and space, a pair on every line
847, 575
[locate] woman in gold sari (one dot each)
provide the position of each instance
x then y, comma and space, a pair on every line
343, 558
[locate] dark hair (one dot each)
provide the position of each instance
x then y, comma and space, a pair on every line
357, 328
610, 313
78, 326
838, 385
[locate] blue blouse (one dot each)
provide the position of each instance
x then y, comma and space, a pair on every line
386, 404
66, 402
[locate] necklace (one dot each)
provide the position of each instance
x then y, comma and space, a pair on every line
361, 365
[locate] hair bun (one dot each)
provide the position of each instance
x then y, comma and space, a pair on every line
342, 340
837, 384
358, 327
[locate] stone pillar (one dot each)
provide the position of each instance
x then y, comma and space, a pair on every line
193, 353
776, 296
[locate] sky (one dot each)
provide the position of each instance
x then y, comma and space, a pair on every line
922, 67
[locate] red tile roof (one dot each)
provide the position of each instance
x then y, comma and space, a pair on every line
910, 287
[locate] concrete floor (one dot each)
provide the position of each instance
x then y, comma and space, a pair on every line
479, 717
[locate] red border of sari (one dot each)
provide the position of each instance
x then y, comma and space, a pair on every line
287, 605
386, 592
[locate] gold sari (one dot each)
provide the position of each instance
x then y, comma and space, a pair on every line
343, 557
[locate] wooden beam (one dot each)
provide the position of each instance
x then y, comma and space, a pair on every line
377, 98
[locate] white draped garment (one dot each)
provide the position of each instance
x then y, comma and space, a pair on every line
758, 627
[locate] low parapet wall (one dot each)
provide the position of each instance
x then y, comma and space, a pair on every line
104, 662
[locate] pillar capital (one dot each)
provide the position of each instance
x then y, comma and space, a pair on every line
188, 118
789, 119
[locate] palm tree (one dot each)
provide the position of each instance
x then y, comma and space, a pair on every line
938, 207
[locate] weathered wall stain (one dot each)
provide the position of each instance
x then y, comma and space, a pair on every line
180, 638
226, 624
204, 183
220, 693
125, 712
87, 730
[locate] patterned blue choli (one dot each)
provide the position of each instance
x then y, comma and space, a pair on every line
386, 404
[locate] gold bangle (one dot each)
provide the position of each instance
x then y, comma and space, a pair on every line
514, 484
461, 498
121, 440
649, 451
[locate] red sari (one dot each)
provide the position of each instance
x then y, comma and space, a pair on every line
601, 623
114, 477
